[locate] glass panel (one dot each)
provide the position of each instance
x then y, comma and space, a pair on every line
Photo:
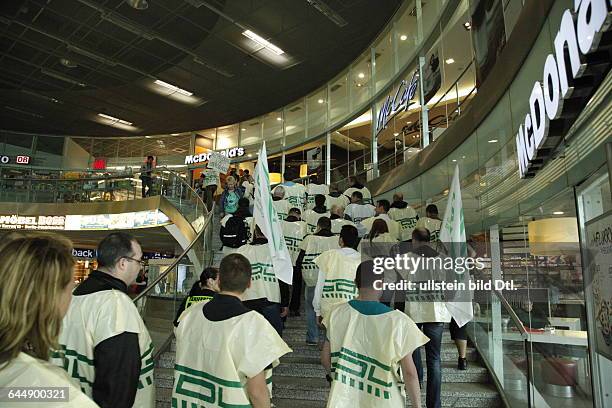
338, 98
273, 125
317, 112
383, 62
350, 150
50, 144
361, 73
431, 14
250, 132
406, 34
512, 10
227, 137
295, 120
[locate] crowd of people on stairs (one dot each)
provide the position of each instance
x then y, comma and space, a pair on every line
229, 327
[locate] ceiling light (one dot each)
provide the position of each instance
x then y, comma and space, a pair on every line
243, 129
409, 122
90, 55
361, 75
320, 101
396, 134
174, 134
263, 42
493, 141
212, 135
454, 160
114, 119
32, 114
61, 77
249, 155
450, 61
467, 25
128, 25
359, 85
558, 213
403, 37
173, 87
279, 118
68, 63
138, 4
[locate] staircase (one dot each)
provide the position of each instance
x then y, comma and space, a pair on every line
299, 380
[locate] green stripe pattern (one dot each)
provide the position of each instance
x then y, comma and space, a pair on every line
339, 289
361, 372
261, 270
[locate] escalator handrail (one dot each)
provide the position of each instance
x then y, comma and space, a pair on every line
178, 259
512, 313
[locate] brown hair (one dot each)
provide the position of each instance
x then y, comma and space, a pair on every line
234, 273
34, 271
379, 227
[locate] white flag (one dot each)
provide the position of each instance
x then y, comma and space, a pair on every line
452, 234
267, 220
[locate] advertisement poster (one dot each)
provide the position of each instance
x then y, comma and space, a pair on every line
432, 77
95, 222
488, 35
599, 250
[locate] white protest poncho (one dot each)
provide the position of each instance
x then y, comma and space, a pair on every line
263, 280
407, 218
432, 225
27, 371
282, 208
96, 317
338, 223
215, 359
386, 238
312, 218
295, 194
424, 305
339, 268
365, 353
367, 197
341, 201
393, 226
249, 191
313, 246
358, 213
294, 232
312, 190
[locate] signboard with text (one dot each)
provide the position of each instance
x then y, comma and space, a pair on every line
218, 162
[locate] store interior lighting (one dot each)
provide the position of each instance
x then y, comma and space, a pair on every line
403, 37
173, 87
263, 42
114, 119
450, 61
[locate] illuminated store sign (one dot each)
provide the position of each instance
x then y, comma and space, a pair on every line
75, 222
400, 102
203, 157
21, 159
564, 78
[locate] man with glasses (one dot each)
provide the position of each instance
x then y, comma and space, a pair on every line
105, 345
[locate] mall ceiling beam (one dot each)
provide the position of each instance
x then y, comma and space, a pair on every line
148, 34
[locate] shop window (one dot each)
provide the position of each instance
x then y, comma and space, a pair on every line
250, 131
406, 34
360, 80
295, 121
227, 137
317, 105
339, 98
273, 125
383, 66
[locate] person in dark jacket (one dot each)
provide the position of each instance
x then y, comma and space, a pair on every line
230, 196
398, 201
319, 207
204, 289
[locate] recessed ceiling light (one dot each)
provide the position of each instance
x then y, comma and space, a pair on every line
361, 75
173, 87
263, 42
147, 137
409, 122
174, 134
68, 63
114, 119
279, 118
359, 85
243, 129
138, 4
454, 160
396, 134
493, 141
249, 155
463, 157
320, 101
558, 213
467, 25
450, 61
403, 37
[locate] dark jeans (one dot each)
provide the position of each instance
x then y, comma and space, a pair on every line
209, 195
272, 315
296, 290
432, 357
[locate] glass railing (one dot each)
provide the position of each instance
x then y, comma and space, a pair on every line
86, 186
532, 367
170, 281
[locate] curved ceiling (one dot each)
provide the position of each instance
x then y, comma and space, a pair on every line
64, 62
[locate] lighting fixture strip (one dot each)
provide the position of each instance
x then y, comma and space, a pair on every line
114, 119
263, 42
173, 87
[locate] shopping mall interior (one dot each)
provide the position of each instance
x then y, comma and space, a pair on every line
509, 97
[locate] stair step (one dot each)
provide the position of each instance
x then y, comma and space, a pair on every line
453, 394
450, 373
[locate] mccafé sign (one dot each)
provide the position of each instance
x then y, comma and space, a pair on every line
578, 38
203, 157
399, 103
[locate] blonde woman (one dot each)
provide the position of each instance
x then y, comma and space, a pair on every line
36, 282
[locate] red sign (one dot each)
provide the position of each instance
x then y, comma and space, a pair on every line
22, 159
99, 164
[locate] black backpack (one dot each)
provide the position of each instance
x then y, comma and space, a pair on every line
235, 233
